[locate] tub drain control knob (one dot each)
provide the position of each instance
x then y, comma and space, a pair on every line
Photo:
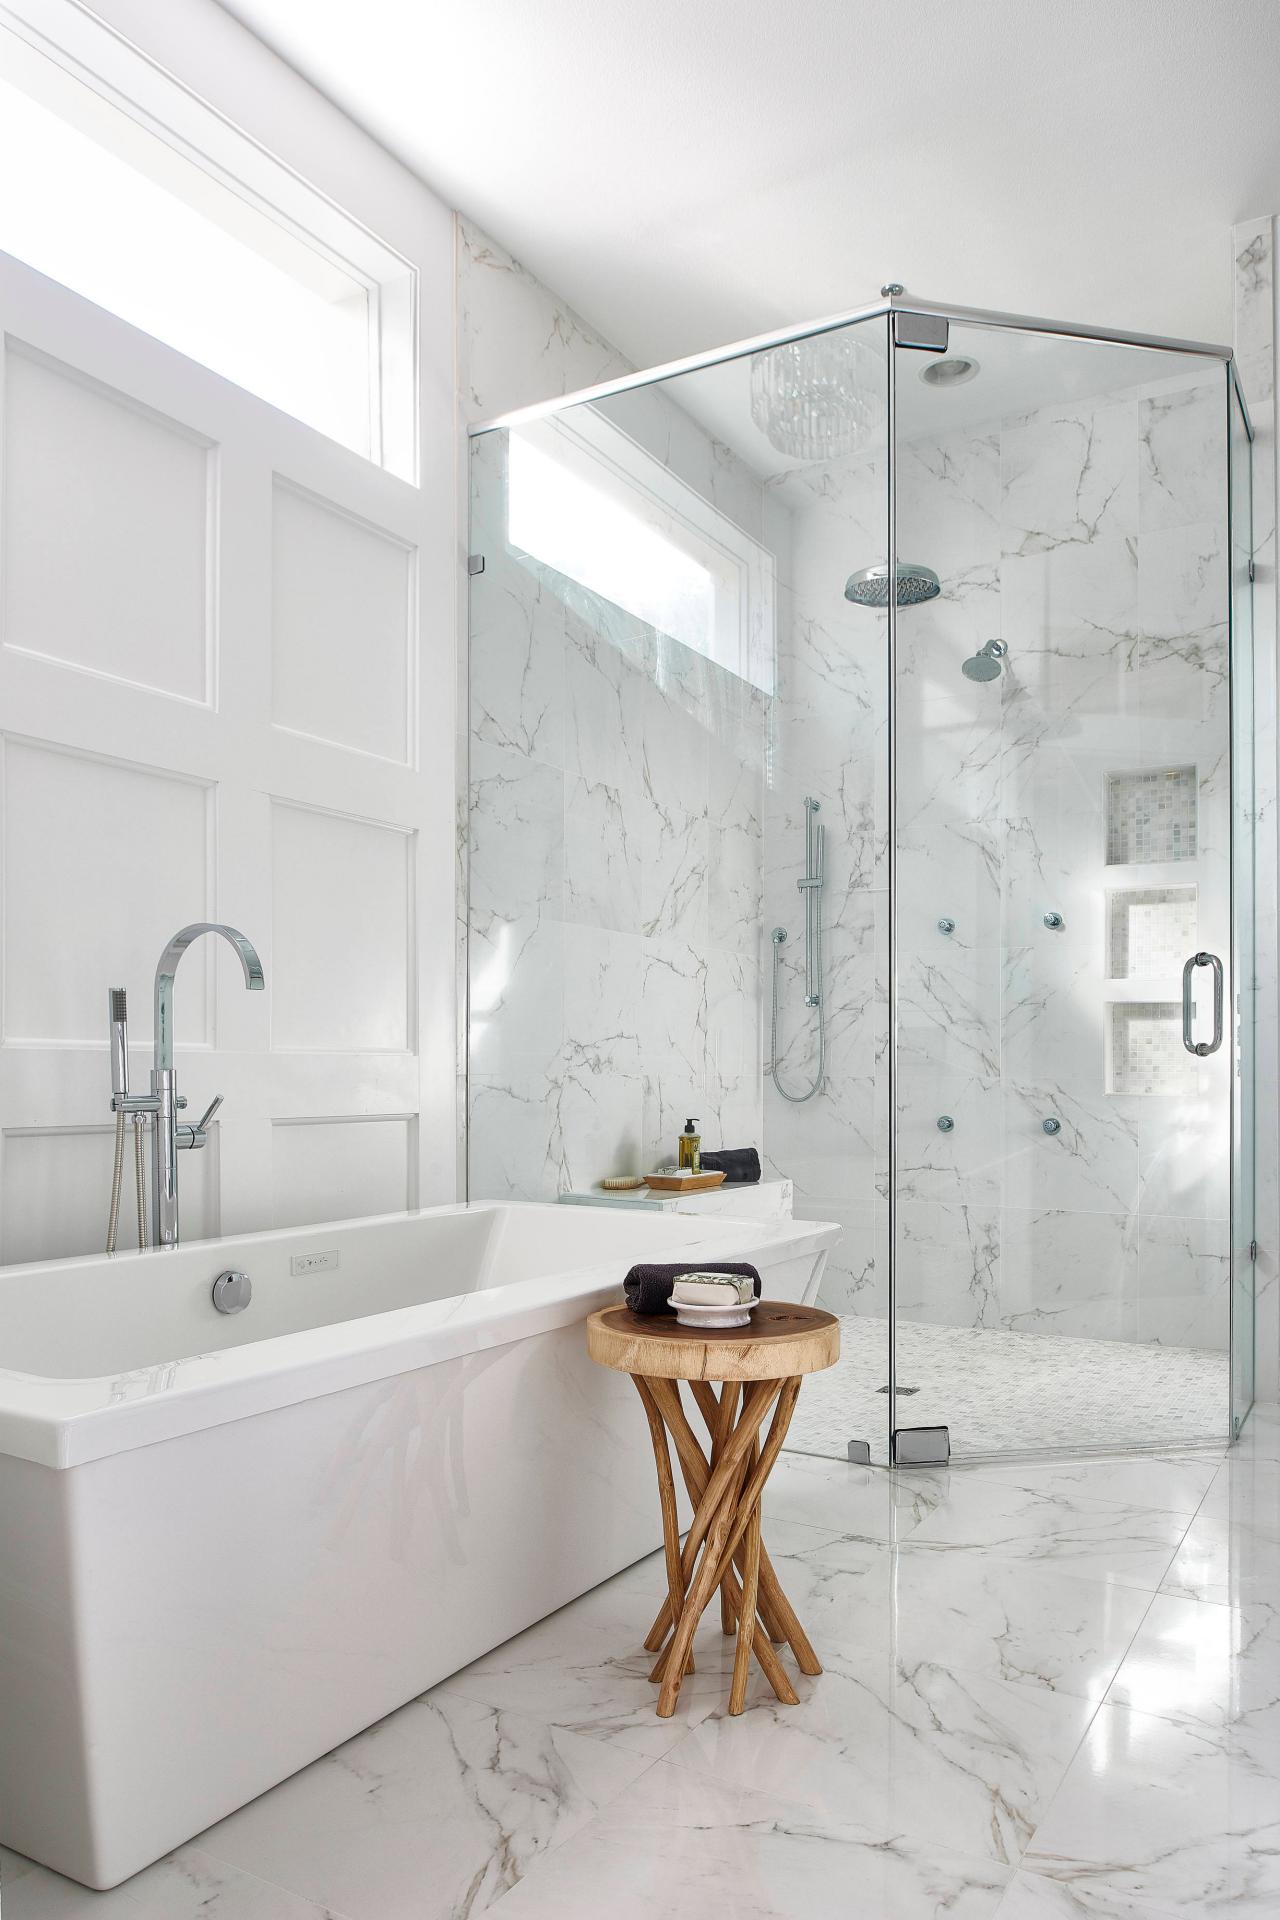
1051, 1126
232, 1291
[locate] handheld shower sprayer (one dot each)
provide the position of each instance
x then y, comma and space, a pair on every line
118, 1009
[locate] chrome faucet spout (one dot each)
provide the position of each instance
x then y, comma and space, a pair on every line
167, 967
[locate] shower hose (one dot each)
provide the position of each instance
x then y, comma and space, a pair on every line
117, 1182
798, 1099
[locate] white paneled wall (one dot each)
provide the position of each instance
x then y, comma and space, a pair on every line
211, 686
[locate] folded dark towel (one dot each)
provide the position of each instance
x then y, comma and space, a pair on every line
648, 1288
739, 1165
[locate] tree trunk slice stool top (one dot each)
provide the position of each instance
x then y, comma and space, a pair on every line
760, 1368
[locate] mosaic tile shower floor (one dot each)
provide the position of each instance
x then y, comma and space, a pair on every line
999, 1392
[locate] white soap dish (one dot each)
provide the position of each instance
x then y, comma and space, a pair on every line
732, 1314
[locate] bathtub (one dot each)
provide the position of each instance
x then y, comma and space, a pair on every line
229, 1542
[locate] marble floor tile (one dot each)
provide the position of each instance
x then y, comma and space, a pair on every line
683, 1848
186, 1885
1179, 1818
1024, 1622
938, 1757
866, 1503
1172, 1483
589, 1678
1032, 1897
1246, 1492
1130, 1545
1261, 1437
435, 1812
1205, 1664
1225, 1561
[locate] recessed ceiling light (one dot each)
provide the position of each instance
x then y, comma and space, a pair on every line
952, 371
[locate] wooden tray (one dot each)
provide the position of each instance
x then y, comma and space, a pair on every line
671, 1183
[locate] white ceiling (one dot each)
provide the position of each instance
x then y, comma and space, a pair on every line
687, 172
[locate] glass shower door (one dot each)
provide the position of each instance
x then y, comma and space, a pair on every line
1062, 766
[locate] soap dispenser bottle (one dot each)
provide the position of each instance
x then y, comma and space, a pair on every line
690, 1144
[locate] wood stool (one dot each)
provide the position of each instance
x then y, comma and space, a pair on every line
760, 1368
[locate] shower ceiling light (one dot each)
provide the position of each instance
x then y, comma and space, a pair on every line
815, 399
951, 371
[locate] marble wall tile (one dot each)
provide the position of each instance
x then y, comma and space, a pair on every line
1068, 476
517, 990
517, 676
1090, 1164
1182, 1168
516, 833
603, 855
1182, 658
518, 343
515, 1148
1184, 1281
1069, 1272
674, 889
856, 1278
735, 1038
1050, 995
964, 1165
1180, 454
1070, 615
949, 1264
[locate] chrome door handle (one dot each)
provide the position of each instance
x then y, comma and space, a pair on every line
1202, 1047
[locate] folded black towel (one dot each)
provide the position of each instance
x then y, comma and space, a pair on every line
648, 1288
739, 1165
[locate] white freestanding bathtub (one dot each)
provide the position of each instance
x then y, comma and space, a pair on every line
228, 1543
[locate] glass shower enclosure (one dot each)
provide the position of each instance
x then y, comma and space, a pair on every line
860, 739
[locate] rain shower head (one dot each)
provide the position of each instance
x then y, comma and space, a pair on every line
869, 587
985, 664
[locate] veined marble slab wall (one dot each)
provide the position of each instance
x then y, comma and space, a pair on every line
1253, 253
1091, 539
615, 812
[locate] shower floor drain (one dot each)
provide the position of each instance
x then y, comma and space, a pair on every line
900, 1389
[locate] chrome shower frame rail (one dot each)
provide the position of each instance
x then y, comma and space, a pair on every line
879, 309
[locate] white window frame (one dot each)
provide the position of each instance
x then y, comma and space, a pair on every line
183, 139
743, 572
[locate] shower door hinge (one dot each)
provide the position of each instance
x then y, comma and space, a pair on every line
475, 563
927, 332
921, 1446
1253, 1249
1253, 571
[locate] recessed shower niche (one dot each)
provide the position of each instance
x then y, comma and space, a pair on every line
1151, 816
1145, 1052
1150, 930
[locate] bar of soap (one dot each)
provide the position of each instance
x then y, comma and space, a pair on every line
712, 1290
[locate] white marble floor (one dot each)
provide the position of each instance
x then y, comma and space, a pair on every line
1051, 1691
1004, 1392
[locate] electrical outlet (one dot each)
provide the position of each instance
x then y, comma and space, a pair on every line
314, 1262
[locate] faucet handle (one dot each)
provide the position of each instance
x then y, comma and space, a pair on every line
208, 1113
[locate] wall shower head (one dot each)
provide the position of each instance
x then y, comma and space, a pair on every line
869, 587
985, 664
